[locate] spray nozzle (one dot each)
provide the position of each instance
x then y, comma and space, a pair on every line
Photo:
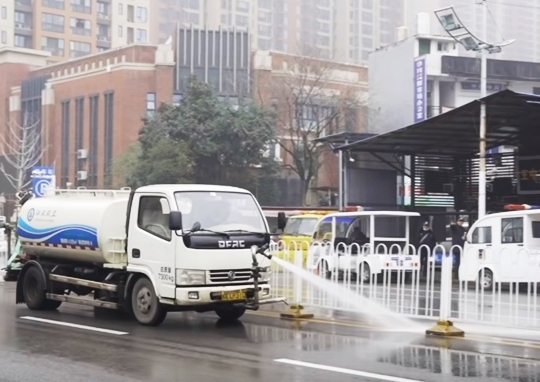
260, 251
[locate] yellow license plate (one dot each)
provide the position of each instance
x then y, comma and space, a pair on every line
237, 295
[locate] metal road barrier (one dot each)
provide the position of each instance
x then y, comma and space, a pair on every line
493, 288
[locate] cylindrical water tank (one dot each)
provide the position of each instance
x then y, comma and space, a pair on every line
78, 226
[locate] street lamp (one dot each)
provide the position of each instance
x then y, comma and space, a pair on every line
455, 28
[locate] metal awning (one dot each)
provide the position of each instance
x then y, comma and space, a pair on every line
511, 118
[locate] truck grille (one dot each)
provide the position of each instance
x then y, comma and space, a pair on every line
227, 276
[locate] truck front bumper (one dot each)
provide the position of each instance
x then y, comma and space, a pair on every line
190, 296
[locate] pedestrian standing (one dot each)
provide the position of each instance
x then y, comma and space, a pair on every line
426, 244
458, 242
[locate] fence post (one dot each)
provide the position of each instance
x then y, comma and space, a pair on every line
444, 326
3, 253
296, 307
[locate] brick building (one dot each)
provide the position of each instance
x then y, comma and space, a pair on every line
90, 109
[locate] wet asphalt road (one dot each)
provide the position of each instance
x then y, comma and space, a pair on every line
199, 348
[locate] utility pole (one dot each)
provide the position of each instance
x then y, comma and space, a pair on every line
483, 127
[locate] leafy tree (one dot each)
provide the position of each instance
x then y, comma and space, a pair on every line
309, 103
212, 142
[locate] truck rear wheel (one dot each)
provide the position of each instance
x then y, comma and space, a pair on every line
146, 307
232, 313
34, 292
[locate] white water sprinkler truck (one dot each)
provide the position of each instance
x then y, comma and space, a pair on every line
147, 252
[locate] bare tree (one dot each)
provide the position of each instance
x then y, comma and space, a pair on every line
310, 102
22, 149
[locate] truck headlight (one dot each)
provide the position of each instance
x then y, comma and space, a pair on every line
190, 277
266, 273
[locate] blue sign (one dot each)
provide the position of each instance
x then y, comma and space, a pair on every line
420, 90
42, 179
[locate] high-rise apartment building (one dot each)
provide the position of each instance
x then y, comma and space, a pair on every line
73, 28
516, 19
345, 30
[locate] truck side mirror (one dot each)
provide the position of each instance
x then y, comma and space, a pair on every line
175, 220
281, 220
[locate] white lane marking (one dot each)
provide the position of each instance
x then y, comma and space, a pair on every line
108, 331
345, 371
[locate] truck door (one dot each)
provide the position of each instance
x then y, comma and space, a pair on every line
151, 242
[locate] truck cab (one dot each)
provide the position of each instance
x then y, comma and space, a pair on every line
503, 247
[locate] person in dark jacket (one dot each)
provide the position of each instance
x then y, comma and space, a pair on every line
458, 241
426, 245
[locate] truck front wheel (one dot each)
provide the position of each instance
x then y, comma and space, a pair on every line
232, 313
145, 303
34, 292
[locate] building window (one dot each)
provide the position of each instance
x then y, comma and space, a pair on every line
177, 99
3, 13
94, 141
109, 136
242, 6
4, 37
52, 23
120, 31
242, 21
65, 143
151, 102
79, 49
23, 41
130, 13
57, 4
120, 9
79, 129
54, 45
367, 29
424, 46
142, 14
142, 36
81, 27
81, 6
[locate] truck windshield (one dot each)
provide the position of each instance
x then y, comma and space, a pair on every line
220, 211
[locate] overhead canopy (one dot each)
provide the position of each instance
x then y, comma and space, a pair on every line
511, 118
340, 139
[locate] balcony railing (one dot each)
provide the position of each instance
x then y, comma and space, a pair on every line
53, 27
103, 38
81, 31
103, 16
81, 8
25, 26
54, 50
57, 4
23, 3
78, 53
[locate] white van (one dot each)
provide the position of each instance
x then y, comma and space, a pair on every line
385, 244
505, 246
